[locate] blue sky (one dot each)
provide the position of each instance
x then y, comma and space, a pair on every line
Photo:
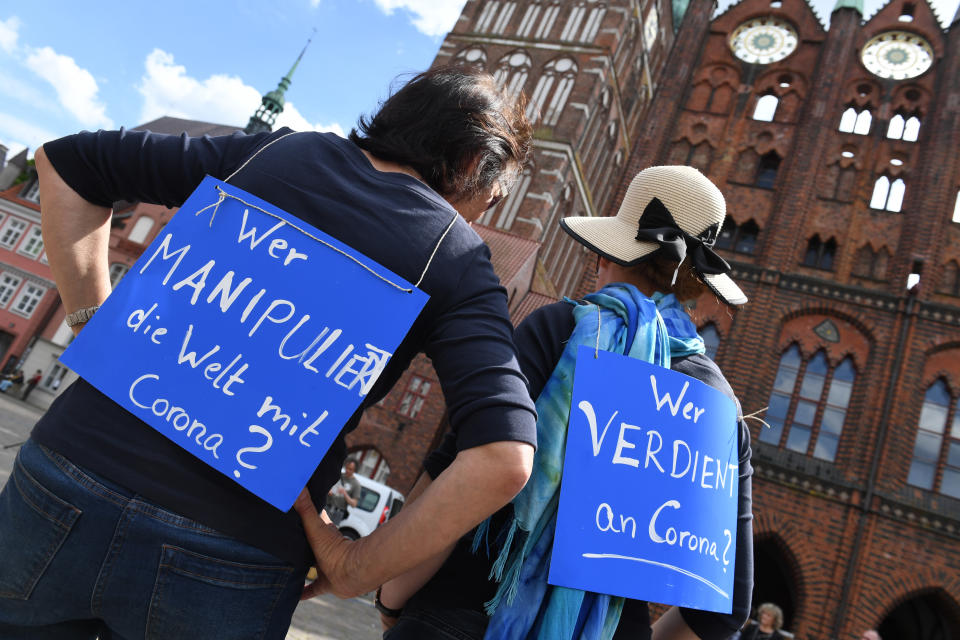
68, 65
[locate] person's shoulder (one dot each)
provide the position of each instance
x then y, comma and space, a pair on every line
553, 314
705, 370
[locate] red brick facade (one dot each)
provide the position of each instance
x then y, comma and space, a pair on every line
856, 501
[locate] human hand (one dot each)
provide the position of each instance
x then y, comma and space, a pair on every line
331, 550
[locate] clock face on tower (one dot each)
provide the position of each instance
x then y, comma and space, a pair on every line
897, 55
763, 40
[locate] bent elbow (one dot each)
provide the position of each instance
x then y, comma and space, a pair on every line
519, 469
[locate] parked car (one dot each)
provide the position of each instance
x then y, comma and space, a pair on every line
377, 504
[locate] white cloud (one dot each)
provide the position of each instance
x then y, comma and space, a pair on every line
432, 17
28, 134
75, 86
9, 30
291, 117
168, 90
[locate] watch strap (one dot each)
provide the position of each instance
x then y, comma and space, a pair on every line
384, 609
81, 315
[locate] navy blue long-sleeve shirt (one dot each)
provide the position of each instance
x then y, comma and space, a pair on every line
326, 181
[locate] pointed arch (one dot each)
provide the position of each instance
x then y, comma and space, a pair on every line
512, 72
553, 89
472, 56
766, 107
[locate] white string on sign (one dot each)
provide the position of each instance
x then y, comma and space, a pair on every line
223, 195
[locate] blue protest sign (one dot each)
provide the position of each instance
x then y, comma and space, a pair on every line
648, 500
247, 337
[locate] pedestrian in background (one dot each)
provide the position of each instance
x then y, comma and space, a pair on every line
346, 493
32, 383
768, 624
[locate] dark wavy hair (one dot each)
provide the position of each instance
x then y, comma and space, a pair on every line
454, 127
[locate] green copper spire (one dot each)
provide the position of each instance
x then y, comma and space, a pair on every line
272, 103
856, 5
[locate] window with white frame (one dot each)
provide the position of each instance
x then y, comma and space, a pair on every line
413, 397
8, 286
33, 243
12, 231
117, 271
32, 192
956, 208
29, 298
552, 91
141, 229
54, 377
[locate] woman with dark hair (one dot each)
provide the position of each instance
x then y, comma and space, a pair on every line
655, 252
109, 528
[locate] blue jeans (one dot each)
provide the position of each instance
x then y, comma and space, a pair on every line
81, 556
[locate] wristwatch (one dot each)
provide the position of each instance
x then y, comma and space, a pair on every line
81, 315
384, 609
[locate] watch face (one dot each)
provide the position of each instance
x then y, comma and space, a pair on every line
897, 55
763, 40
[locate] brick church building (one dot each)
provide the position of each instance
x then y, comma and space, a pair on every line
836, 149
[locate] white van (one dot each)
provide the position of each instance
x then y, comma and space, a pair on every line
377, 504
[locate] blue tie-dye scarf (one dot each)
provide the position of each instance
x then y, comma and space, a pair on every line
525, 607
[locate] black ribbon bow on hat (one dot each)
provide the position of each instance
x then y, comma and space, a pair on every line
657, 225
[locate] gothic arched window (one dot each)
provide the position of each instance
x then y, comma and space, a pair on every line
887, 195
858, 122
553, 89
766, 108
512, 72
589, 14
900, 128
820, 254
471, 57
739, 238
767, 170
871, 264
935, 447
495, 16
809, 398
950, 282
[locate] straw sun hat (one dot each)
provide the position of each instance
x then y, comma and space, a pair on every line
674, 212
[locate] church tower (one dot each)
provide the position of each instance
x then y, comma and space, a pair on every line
272, 103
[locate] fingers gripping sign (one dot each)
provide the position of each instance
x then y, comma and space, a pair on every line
329, 549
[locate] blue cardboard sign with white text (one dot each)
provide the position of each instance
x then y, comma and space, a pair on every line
247, 337
648, 500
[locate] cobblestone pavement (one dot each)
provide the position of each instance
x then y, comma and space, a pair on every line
322, 618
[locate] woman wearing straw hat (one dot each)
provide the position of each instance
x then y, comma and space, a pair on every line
655, 252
